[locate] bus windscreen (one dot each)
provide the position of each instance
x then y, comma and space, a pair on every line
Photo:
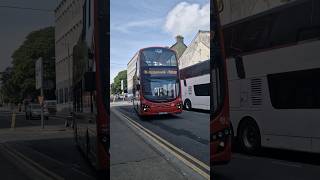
158, 57
161, 89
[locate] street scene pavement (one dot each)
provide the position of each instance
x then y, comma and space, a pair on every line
187, 133
29, 152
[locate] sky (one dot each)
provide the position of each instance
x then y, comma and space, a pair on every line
17, 23
136, 24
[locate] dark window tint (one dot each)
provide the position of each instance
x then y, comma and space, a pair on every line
280, 26
202, 89
295, 90
158, 57
240, 67
156, 89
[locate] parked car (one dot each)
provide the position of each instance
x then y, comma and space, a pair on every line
51, 106
34, 111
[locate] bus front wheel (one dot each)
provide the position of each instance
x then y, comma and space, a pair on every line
187, 104
249, 137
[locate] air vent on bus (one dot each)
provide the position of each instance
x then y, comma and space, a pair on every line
256, 92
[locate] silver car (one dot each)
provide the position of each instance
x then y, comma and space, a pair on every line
34, 111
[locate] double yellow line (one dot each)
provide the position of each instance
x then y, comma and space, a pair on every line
186, 158
29, 166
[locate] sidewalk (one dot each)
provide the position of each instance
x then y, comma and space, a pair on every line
32, 133
132, 158
5, 109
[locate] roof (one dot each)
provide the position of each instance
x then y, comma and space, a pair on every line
201, 40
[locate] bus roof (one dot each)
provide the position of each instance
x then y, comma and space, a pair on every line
160, 47
267, 11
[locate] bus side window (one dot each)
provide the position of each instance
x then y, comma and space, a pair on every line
240, 68
185, 83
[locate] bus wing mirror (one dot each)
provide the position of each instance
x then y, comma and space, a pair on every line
220, 6
89, 81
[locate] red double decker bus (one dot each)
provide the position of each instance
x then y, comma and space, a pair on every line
91, 106
154, 83
220, 131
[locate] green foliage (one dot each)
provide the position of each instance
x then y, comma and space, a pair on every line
116, 86
20, 83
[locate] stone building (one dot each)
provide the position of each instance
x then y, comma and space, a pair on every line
179, 46
197, 51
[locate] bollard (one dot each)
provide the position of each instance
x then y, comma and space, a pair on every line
13, 120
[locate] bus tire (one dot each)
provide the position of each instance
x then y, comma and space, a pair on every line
249, 136
187, 105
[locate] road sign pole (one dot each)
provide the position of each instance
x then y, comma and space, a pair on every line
39, 85
42, 103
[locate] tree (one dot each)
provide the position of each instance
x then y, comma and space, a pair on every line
8, 88
116, 85
21, 81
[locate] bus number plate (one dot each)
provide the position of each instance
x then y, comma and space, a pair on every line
161, 113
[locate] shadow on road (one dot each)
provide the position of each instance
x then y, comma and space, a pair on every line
199, 111
285, 155
59, 155
160, 117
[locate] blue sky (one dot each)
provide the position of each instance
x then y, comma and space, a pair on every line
16, 24
136, 24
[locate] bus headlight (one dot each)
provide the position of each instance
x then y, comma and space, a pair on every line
221, 135
179, 105
145, 107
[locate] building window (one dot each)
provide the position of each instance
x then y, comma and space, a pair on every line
66, 94
60, 96
89, 13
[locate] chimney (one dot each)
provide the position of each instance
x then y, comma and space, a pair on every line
179, 39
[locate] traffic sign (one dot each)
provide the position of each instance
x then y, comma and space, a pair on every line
40, 99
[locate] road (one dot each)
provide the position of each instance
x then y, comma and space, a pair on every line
188, 131
27, 152
270, 164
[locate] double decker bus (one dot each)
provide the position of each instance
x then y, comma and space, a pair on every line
90, 117
153, 79
195, 86
220, 131
274, 74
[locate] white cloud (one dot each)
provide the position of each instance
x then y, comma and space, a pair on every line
133, 25
186, 19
